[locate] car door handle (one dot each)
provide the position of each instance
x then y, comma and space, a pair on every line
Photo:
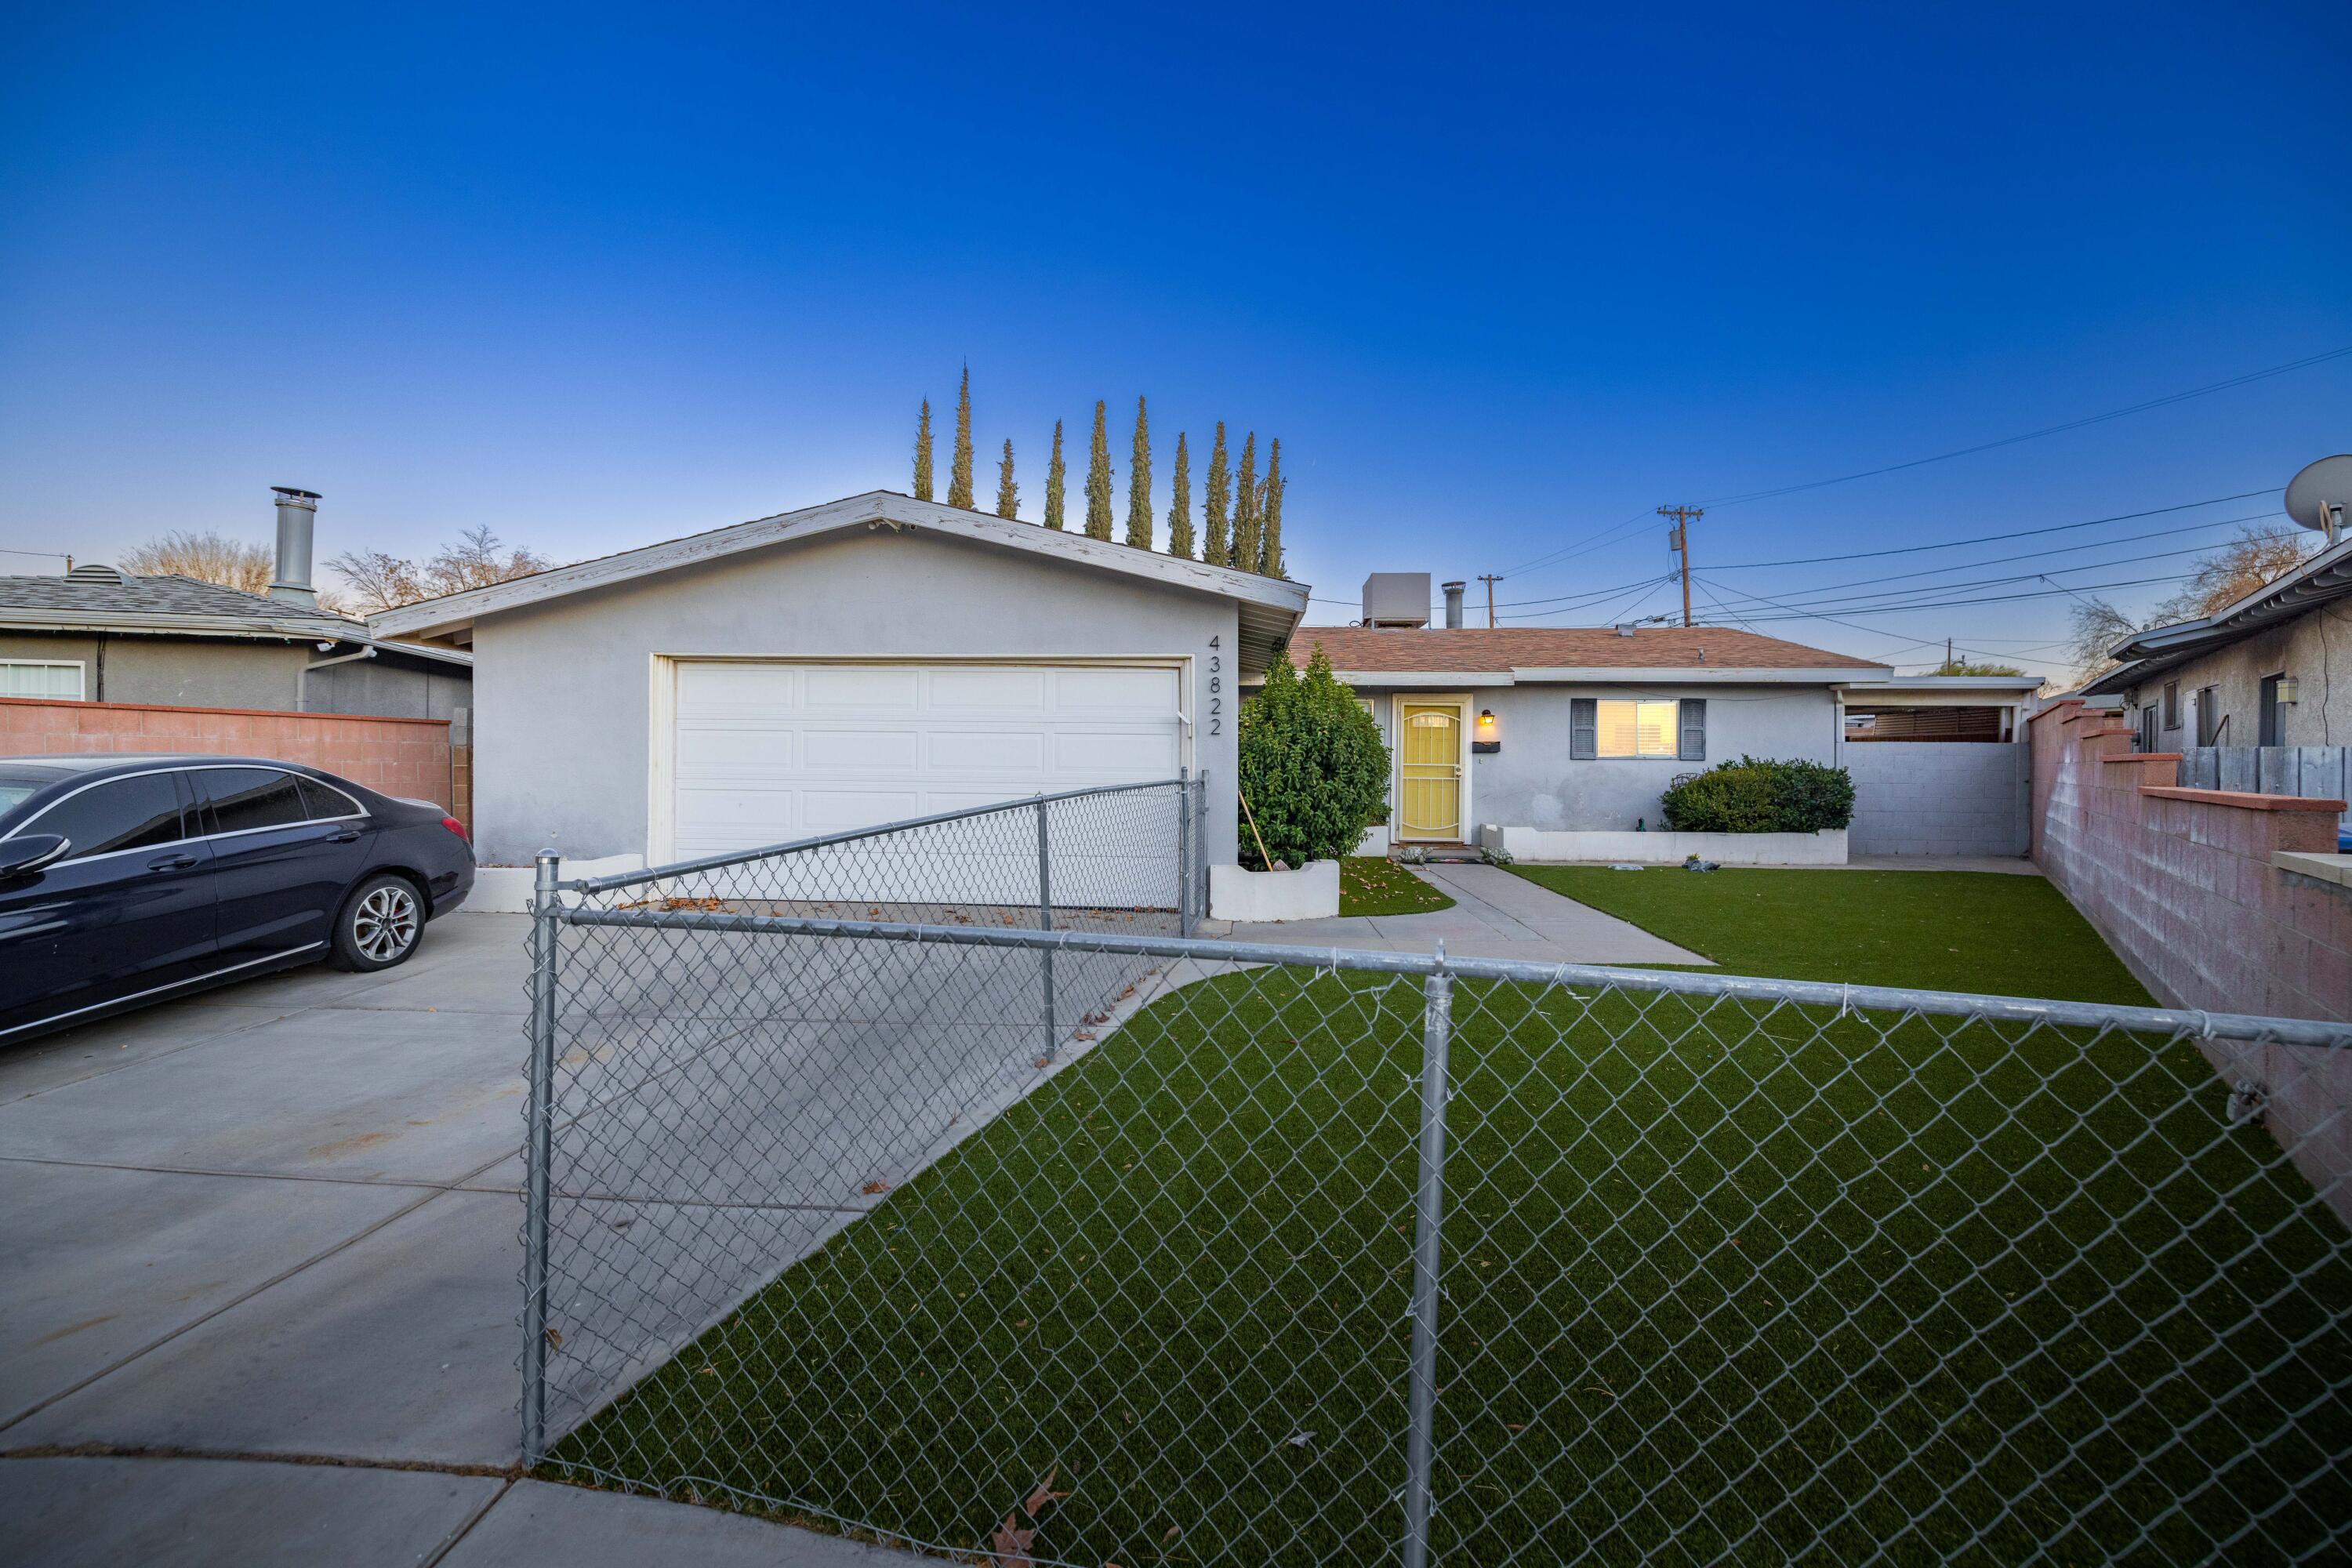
171, 862
343, 835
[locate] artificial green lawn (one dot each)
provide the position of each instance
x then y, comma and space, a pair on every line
1375, 885
1722, 1283
1936, 931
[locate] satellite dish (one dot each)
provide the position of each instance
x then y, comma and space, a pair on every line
2317, 497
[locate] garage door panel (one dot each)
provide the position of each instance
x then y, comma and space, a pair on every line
985, 750
765, 753
885, 689
984, 688
1115, 690
862, 751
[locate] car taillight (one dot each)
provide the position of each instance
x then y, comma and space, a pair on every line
456, 827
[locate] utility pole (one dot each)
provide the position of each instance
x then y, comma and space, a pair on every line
1679, 538
1490, 579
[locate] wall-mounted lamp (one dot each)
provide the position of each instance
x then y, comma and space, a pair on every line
1483, 740
2286, 687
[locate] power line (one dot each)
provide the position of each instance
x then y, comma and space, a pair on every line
1851, 626
1799, 613
45, 554
1829, 595
1995, 538
2060, 550
2165, 401
1595, 539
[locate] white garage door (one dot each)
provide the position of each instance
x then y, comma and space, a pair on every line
764, 753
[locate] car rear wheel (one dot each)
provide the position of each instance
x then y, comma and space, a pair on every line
379, 924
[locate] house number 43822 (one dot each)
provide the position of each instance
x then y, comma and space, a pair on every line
1216, 689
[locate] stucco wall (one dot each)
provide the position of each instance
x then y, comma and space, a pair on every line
2316, 649
186, 672
1531, 781
1928, 797
383, 685
562, 690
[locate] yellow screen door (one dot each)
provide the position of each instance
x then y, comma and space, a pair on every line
1433, 773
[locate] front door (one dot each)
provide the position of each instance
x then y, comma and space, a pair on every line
1431, 767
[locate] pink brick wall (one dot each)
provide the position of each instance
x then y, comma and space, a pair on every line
2180, 883
398, 756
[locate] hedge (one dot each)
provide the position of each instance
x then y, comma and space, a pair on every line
1760, 795
1313, 766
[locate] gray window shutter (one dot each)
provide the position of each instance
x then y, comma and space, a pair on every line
1583, 729
1693, 718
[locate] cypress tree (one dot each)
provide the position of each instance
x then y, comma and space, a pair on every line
1213, 544
1269, 554
1180, 503
1098, 480
923, 453
1055, 473
1138, 482
960, 470
1008, 494
1245, 503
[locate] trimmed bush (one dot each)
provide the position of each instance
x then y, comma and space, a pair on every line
1760, 795
1312, 764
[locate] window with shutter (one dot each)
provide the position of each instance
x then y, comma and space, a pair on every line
1694, 727
1583, 727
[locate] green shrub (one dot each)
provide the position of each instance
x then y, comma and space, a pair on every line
1760, 795
1312, 764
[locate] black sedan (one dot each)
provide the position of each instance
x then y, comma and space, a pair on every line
131, 879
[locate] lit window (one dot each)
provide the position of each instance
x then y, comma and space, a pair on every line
32, 678
1636, 729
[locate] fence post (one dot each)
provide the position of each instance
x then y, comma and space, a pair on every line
537, 1157
1429, 1207
1046, 919
1199, 870
1184, 852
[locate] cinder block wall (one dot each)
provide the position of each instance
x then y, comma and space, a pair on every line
406, 757
1930, 797
2181, 884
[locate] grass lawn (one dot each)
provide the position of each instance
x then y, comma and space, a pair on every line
1723, 1283
1940, 931
1375, 885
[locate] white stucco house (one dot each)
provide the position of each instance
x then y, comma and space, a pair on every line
846, 664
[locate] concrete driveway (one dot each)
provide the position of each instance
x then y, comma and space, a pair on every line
260, 1295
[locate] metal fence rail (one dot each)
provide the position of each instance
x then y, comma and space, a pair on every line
1281, 1255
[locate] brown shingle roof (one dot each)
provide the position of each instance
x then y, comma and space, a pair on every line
1560, 648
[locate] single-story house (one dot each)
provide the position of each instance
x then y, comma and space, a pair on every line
859, 662
98, 635
2259, 672
1537, 732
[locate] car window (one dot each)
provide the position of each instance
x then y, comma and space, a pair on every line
323, 801
120, 813
245, 799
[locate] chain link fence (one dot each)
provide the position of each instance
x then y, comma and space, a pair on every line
1038, 1231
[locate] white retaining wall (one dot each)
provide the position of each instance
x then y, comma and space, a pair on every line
1827, 847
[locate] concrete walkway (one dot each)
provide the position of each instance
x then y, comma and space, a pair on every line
1494, 915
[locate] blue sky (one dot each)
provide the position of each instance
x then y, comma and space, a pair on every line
597, 278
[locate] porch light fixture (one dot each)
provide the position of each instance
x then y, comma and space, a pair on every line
1483, 741
1486, 717
2286, 687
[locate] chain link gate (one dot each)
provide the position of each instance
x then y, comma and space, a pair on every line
999, 1217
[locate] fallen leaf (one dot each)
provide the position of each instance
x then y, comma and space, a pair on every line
1299, 1439
1173, 1531
1021, 1323
875, 1188
555, 1338
1043, 1062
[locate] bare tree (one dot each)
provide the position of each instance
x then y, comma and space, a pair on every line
2257, 557
206, 557
2098, 627
381, 581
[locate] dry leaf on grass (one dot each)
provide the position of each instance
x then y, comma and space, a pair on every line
1010, 1540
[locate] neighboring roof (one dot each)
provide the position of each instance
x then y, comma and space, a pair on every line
1269, 606
2325, 577
1477, 655
181, 606
1990, 684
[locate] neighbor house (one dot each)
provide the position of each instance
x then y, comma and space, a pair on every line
846, 664
98, 635
1515, 737
2259, 672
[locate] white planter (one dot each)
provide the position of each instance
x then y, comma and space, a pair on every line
1826, 847
1311, 892
506, 889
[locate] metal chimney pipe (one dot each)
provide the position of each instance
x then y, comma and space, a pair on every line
1454, 606
296, 509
